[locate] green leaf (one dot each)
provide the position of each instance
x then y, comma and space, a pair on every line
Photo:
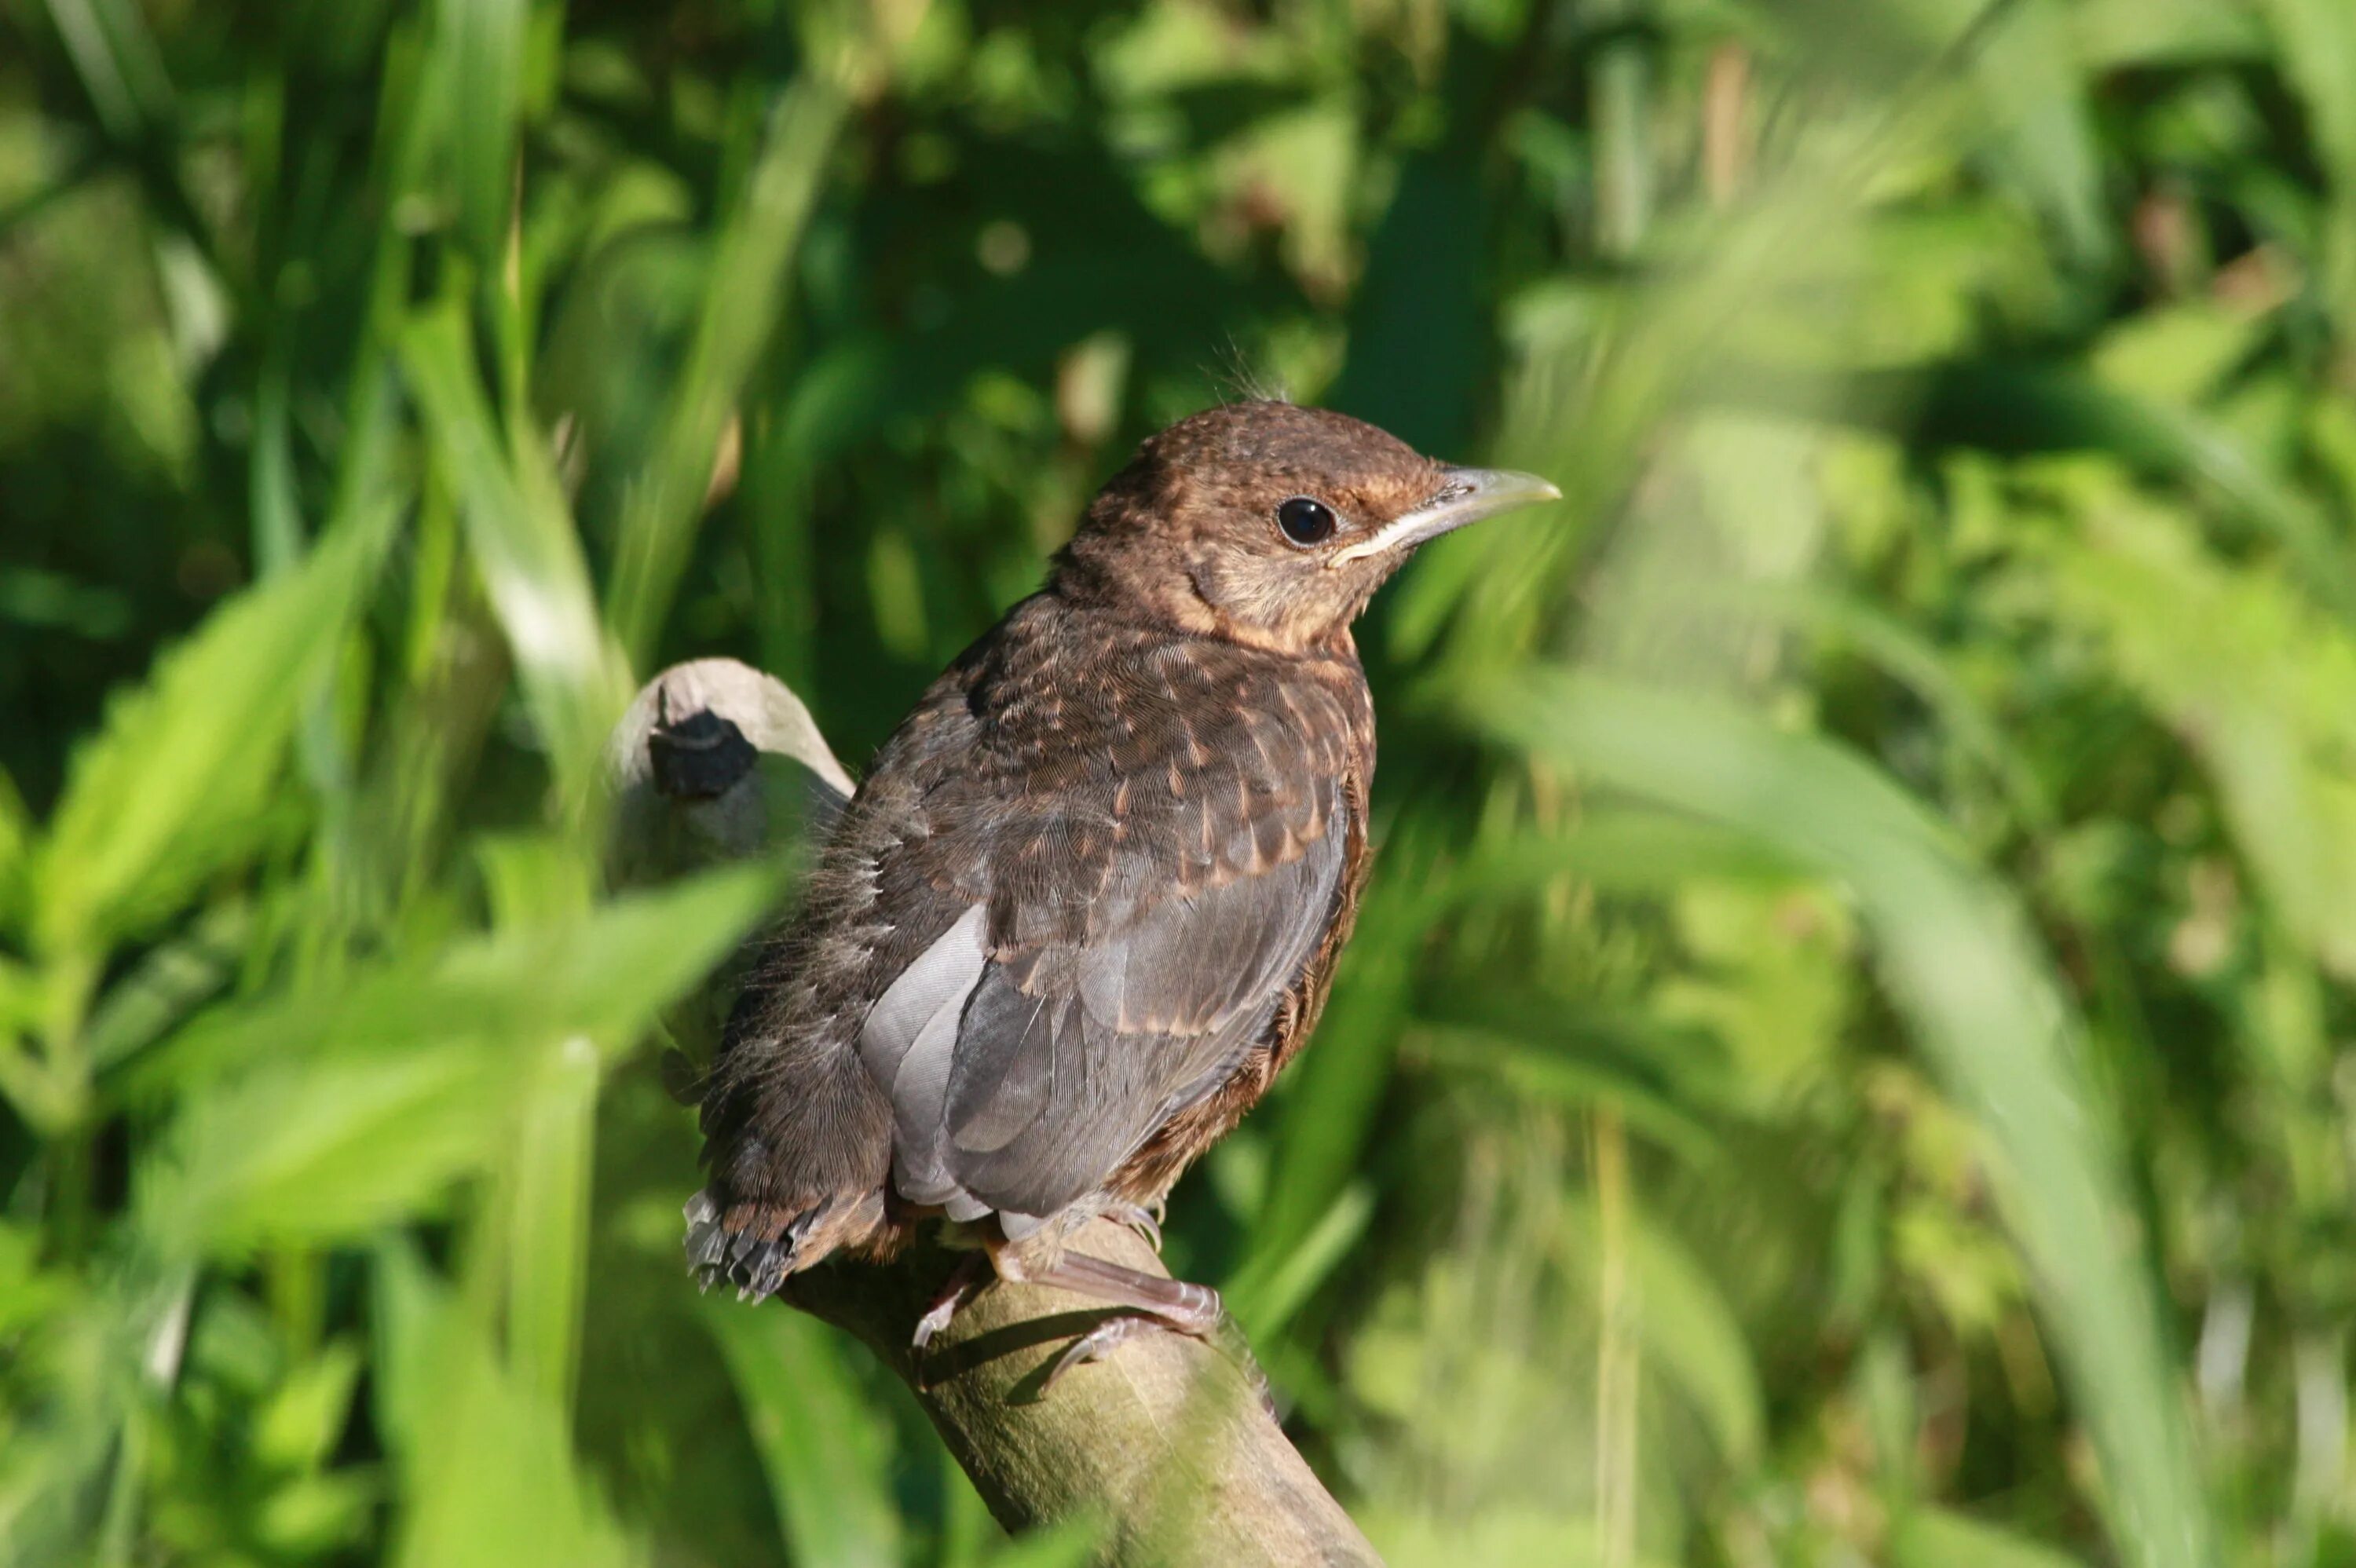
1506, 1531
15, 846
549, 1171
363, 1107
318, 1152
2029, 88
1266, 1300
603, 976
1907, 656
171, 981
1936, 1537
1329, 1097
488, 1476
317, 1516
176, 786
1958, 960
1618, 848
2318, 52
1066, 1544
2008, 407
1554, 1071
2176, 356
298, 1428
2316, 46
750, 268
2121, 34
2261, 686
525, 545
822, 1443
1691, 1334
481, 45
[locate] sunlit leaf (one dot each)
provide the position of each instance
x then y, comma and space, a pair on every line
174, 980
363, 1106
526, 547
1263, 1302
750, 265
2262, 687
602, 977
1934, 1537
312, 1153
177, 785
488, 1473
1958, 960
819, 1441
307, 1414
482, 42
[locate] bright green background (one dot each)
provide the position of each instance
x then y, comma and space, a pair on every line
1846, 1056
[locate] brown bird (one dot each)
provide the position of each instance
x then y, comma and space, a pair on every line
1087, 902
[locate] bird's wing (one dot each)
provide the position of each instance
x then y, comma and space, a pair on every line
1055, 1025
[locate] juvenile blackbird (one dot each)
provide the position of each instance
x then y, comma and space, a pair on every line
1089, 900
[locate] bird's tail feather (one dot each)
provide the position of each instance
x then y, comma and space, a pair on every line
754, 1246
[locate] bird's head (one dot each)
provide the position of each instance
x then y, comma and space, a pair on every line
1270, 524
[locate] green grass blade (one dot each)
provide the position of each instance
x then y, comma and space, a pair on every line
178, 782
1333, 1090
1935, 1538
603, 976
1265, 1300
1960, 963
363, 1107
488, 1476
747, 288
481, 42
552, 1165
1689, 1332
528, 551
821, 1442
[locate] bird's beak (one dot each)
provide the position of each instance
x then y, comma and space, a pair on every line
1469, 496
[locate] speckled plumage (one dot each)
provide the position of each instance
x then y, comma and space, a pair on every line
1088, 898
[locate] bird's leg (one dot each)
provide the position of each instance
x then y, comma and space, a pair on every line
1150, 1301
1189, 1309
972, 1271
1168, 1303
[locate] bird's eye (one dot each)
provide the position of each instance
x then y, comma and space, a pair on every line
1305, 521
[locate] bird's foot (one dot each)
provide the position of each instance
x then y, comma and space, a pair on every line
1146, 1222
1146, 1300
970, 1275
1220, 1333
1097, 1343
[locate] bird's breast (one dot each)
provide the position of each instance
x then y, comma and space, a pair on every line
1155, 765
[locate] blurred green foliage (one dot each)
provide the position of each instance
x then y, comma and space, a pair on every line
1844, 1060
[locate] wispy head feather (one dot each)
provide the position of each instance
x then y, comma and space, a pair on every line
1239, 381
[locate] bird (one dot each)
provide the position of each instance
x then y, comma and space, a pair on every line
1087, 901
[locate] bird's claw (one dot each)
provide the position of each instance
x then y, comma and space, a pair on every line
1122, 1327
1097, 1343
1146, 1222
964, 1281
936, 1319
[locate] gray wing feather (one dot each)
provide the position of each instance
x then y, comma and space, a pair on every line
1022, 1077
1049, 1093
908, 1043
